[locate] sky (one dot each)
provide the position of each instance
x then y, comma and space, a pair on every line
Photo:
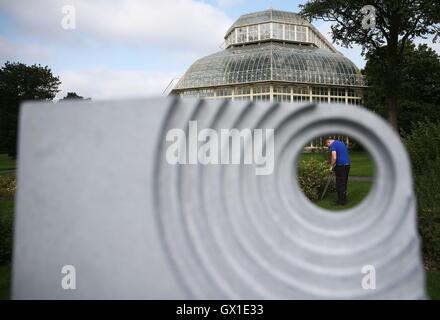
106, 49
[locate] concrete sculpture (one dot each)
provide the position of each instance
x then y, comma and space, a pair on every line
97, 194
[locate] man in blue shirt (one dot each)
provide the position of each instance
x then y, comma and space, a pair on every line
340, 163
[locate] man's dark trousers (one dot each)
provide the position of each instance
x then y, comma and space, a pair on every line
341, 182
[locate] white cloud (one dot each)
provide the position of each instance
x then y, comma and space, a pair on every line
180, 30
166, 23
224, 3
15, 51
104, 83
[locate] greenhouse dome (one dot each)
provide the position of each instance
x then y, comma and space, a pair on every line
277, 56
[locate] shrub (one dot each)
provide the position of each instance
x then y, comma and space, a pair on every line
7, 185
423, 145
313, 176
7, 190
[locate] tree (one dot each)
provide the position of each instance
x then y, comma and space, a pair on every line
397, 22
419, 97
19, 82
72, 96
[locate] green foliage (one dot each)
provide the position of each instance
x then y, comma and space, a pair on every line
7, 185
6, 230
5, 282
6, 234
5, 239
19, 82
433, 285
419, 95
73, 96
7, 190
361, 163
312, 177
423, 144
397, 23
406, 19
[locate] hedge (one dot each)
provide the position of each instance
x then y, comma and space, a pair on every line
423, 145
313, 176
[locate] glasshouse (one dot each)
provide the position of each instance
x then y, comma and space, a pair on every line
273, 56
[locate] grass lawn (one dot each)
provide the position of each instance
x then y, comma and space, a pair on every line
5, 281
6, 210
361, 164
6, 163
433, 284
356, 192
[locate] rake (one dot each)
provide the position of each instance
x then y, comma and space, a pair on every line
329, 179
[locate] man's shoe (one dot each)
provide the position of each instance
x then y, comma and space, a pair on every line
343, 199
340, 200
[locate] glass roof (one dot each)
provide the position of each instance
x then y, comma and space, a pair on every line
271, 61
268, 16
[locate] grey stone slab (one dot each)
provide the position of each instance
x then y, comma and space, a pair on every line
95, 191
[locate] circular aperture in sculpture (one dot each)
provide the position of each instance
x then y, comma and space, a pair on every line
339, 187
